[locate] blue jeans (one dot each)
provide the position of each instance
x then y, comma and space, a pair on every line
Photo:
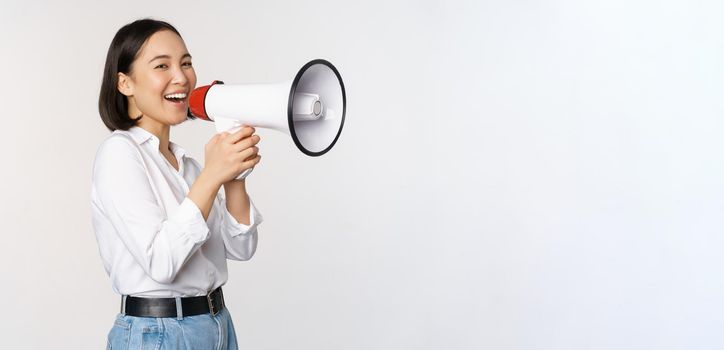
191, 332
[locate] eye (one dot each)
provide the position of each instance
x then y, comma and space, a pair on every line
162, 65
187, 64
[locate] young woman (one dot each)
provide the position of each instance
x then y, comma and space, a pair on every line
164, 230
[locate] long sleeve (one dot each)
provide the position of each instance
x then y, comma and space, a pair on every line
239, 240
161, 245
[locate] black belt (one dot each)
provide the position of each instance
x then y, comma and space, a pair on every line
166, 307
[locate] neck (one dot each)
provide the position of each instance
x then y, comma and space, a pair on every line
160, 130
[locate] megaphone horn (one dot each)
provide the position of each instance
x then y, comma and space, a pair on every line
311, 107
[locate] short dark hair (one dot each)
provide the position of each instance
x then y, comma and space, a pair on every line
112, 105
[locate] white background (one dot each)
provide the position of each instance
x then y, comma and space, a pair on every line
511, 175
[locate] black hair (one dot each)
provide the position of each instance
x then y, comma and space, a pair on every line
112, 104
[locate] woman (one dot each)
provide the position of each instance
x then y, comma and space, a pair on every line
164, 231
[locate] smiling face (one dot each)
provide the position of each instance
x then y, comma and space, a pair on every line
160, 80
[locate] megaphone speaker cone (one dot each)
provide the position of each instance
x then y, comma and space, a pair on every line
315, 125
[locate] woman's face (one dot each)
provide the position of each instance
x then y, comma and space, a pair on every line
160, 80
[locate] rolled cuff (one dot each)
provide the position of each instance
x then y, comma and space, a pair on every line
189, 222
235, 228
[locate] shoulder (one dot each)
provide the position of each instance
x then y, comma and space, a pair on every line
118, 150
118, 143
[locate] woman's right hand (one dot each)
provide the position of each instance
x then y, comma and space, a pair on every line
225, 154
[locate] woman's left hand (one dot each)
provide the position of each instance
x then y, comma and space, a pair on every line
245, 142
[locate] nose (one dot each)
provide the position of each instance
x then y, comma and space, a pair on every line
179, 77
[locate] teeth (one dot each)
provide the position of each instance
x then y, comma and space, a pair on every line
181, 95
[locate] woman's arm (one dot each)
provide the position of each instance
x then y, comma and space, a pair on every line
161, 242
226, 156
240, 221
237, 200
240, 217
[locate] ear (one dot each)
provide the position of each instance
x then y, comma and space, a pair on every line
125, 84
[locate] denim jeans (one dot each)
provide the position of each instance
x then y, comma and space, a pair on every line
191, 332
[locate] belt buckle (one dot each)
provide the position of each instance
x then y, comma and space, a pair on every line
209, 299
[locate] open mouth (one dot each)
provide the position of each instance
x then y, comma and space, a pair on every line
176, 98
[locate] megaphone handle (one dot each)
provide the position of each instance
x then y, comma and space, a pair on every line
227, 124
244, 174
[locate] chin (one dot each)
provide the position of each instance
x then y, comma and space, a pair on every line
179, 119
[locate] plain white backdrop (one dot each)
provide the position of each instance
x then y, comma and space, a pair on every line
511, 175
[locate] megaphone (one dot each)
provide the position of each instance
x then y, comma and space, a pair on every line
310, 107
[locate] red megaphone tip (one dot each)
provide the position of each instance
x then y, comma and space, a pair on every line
197, 101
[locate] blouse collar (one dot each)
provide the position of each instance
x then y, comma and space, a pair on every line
141, 135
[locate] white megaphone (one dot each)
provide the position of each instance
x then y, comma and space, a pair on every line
311, 107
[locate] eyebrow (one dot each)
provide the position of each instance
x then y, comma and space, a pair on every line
167, 56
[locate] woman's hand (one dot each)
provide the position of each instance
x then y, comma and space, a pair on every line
228, 155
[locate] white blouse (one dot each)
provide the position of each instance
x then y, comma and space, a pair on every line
152, 238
